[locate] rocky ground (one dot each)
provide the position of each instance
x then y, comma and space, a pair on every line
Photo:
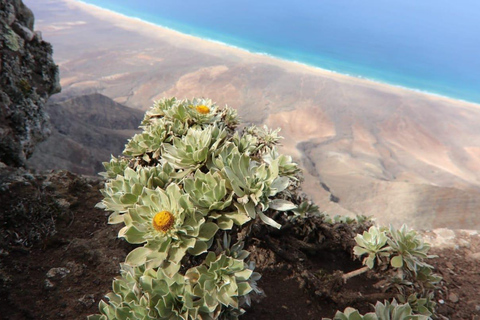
58, 258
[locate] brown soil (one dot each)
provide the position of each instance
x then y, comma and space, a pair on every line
58, 258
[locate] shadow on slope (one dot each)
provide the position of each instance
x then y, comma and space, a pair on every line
86, 130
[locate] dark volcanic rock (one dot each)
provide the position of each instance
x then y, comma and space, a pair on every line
28, 76
86, 131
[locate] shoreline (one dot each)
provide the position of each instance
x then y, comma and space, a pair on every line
385, 151
265, 57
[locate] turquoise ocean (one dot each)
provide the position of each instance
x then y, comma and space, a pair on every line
425, 45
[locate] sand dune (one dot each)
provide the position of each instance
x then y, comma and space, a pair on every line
367, 148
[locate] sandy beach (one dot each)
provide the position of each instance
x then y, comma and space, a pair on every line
366, 147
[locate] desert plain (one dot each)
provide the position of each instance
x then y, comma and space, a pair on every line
366, 148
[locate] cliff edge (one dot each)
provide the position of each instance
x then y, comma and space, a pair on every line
28, 77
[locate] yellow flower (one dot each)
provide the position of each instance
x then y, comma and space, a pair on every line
163, 221
203, 109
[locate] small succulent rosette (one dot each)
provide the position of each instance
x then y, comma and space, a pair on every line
169, 225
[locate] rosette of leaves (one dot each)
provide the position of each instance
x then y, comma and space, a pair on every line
124, 191
383, 311
305, 209
373, 244
195, 112
192, 150
406, 252
208, 191
409, 249
219, 285
266, 138
286, 167
209, 194
115, 167
253, 183
422, 305
169, 225
145, 294
149, 141
396, 311
216, 289
245, 143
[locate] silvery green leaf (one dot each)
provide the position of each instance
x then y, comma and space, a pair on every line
397, 262
199, 248
137, 256
128, 198
224, 223
269, 221
279, 184
281, 205
207, 231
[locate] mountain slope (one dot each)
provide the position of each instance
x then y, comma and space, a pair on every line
86, 130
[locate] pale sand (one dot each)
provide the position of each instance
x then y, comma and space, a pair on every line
397, 154
186, 41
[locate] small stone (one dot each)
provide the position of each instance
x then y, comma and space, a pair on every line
38, 36
444, 238
64, 204
57, 273
49, 284
76, 269
475, 256
23, 31
470, 232
441, 301
453, 297
87, 300
449, 265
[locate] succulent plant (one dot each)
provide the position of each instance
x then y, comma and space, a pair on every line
184, 178
195, 112
286, 167
219, 283
383, 311
115, 167
406, 252
422, 305
353, 314
395, 311
373, 243
192, 150
145, 294
150, 140
169, 224
208, 192
426, 277
267, 138
245, 143
124, 191
408, 248
253, 183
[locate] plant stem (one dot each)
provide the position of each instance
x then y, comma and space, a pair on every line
354, 273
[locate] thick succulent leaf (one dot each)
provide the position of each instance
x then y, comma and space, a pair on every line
397, 262
281, 205
207, 231
269, 221
137, 256
199, 248
225, 223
